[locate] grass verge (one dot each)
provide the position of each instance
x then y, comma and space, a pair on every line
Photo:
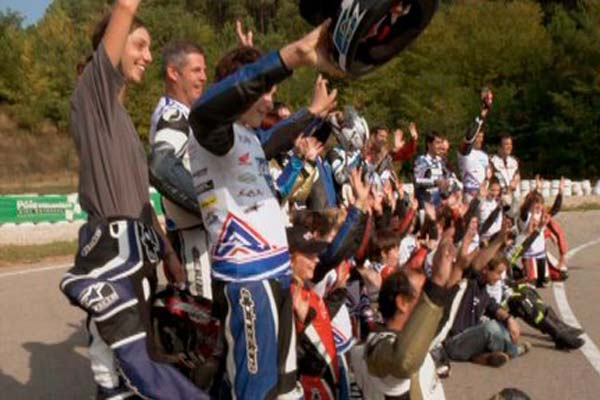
26, 254
582, 207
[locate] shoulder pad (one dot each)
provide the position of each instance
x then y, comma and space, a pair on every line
173, 118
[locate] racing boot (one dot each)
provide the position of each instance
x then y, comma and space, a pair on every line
564, 326
563, 340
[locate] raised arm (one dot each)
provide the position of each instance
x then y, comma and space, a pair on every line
214, 113
115, 37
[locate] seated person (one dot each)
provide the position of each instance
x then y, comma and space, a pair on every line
489, 342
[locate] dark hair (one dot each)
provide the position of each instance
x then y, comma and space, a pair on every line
431, 136
494, 181
175, 53
497, 261
101, 26
397, 284
386, 240
322, 221
505, 136
234, 60
273, 118
378, 128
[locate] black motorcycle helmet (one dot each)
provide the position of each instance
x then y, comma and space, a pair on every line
368, 33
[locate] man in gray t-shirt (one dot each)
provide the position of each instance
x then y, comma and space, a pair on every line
115, 267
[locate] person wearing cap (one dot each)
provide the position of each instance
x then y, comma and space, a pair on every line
318, 366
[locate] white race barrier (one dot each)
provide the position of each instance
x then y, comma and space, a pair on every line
576, 187
546, 185
554, 187
546, 192
597, 188
586, 187
568, 188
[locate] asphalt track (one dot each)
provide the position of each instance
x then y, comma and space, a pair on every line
43, 344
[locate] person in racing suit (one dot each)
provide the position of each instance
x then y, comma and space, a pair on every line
505, 167
170, 166
474, 163
352, 133
121, 243
249, 253
184, 72
431, 177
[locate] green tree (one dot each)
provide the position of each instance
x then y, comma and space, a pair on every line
11, 47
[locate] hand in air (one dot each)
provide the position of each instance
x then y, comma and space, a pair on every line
324, 101
399, 141
308, 147
444, 258
244, 38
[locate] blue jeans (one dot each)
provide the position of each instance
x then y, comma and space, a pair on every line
487, 337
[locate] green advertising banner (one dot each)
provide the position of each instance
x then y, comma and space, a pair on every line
52, 208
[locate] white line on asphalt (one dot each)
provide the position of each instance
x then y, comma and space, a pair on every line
34, 270
589, 349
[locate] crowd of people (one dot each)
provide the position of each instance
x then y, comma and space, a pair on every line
298, 264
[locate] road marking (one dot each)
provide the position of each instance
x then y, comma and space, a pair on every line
34, 270
589, 349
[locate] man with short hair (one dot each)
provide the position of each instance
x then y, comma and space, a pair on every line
184, 74
431, 180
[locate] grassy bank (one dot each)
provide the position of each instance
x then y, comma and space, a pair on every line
26, 254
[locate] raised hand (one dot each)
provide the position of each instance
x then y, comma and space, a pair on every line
312, 51
245, 39
324, 101
414, 132
464, 257
430, 211
562, 184
399, 141
308, 148
538, 183
487, 99
301, 302
377, 201
388, 191
483, 190
414, 204
360, 188
444, 258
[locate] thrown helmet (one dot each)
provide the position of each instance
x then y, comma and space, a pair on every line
368, 33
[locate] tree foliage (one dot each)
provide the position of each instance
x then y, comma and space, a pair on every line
541, 58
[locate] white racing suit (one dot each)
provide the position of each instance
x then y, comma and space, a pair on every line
170, 173
250, 260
